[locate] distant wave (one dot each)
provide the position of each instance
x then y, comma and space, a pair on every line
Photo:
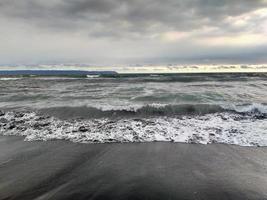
196, 77
256, 110
161, 77
93, 76
9, 79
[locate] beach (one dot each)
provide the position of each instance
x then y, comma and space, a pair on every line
133, 100
66, 170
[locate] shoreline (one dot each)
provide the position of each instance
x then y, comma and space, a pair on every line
66, 170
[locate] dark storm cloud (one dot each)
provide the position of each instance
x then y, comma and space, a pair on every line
124, 16
101, 30
95, 6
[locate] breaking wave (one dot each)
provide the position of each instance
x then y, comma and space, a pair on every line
243, 127
153, 110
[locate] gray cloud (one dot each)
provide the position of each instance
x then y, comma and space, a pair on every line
131, 20
140, 15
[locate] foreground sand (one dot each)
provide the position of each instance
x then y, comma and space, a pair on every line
63, 170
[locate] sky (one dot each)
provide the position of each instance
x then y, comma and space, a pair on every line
106, 32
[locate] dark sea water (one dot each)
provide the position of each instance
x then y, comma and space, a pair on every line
193, 108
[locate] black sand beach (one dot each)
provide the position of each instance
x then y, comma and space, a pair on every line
64, 170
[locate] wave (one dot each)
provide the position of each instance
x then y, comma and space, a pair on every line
93, 76
153, 110
9, 79
225, 127
254, 108
196, 77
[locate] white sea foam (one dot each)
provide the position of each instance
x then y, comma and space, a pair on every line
92, 76
133, 108
9, 79
228, 128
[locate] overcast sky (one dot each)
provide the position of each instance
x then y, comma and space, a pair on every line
133, 31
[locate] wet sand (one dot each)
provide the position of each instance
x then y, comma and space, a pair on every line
64, 170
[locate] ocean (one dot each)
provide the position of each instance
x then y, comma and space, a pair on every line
186, 108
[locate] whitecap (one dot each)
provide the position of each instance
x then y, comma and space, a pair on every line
227, 128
